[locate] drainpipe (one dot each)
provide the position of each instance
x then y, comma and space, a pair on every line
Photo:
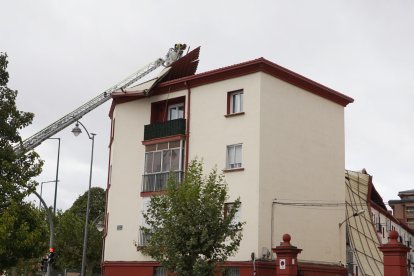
271, 223
187, 146
254, 263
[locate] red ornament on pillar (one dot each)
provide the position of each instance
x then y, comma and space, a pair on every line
286, 258
395, 256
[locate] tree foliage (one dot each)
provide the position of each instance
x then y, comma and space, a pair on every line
16, 168
70, 231
19, 229
190, 230
23, 234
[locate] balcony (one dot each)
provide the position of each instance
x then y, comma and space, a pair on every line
169, 128
156, 182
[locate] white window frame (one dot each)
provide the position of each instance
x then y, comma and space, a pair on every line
232, 157
236, 102
161, 152
175, 106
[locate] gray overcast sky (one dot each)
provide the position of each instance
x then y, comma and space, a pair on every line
64, 52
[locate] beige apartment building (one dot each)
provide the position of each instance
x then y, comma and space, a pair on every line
277, 136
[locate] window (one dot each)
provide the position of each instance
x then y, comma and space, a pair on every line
410, 222
231, 271
228, 207
160, 271
160, 160
163, 157
176, 111
234, 156
143, 237
410, 209
167, 110
388, 225
235, 102
145, 206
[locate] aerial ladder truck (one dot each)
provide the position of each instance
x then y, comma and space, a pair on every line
30, 143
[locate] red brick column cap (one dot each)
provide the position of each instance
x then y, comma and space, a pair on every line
286, 240
393, 245
285, 247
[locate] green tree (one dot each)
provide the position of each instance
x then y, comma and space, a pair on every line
16, 172
23, 234
190, 230
70, 231
16, 168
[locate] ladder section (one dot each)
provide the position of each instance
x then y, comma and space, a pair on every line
36, 139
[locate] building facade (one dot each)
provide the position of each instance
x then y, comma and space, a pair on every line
403, 208
278, 138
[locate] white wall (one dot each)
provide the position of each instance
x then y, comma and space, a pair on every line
301, 159
210, 134
127, 160
293, 148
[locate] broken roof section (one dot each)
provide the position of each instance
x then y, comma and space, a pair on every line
362, 235
362, 195
184, 67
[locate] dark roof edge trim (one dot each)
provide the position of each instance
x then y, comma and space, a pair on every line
252, 66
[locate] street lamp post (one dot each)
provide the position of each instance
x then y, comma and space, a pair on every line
76, 131
49, 267
355, 214
57, 174
41, 189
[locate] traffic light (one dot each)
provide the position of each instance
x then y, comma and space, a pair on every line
51, 258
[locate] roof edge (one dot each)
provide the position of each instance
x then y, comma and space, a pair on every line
256, 65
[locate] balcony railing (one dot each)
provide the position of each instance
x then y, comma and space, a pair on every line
158, 181
169, 128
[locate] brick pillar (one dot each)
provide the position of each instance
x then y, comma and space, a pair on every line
286, 258
395, 256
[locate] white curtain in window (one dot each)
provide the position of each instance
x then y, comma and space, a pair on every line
175, 159
238, 155
237, 102
234, 156
166, 158
176, 112
148, 162
230, 156
157, 162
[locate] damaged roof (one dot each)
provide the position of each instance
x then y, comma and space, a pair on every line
181, 75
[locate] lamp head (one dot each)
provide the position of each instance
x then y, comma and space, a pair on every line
100, 226
76, 130
360, 212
